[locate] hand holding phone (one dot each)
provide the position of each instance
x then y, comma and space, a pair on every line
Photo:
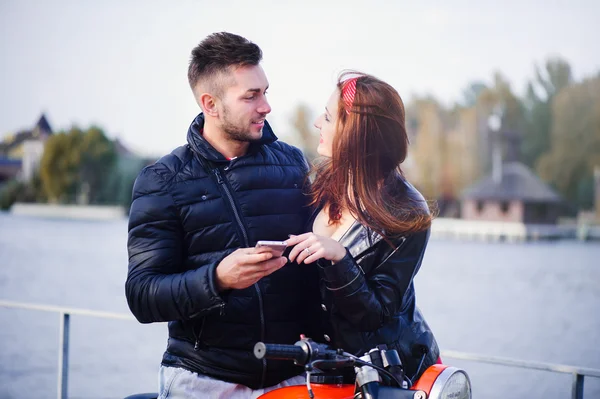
275, 247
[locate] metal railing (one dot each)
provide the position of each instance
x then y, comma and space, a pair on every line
578, 373
63, 335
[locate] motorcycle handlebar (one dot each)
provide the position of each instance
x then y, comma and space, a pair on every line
282, 352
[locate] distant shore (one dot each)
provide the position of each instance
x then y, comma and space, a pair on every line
59, 211
511, 231
441, 227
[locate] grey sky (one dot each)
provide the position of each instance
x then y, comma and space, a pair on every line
123, 65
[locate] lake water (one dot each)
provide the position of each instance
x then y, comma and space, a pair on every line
530, 301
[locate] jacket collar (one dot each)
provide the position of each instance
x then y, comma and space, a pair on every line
359, 238
203, 148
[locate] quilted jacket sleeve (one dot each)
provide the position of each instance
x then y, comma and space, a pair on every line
157, 288
369, 300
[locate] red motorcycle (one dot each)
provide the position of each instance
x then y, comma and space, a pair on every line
379, 375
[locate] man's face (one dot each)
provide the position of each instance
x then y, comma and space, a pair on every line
244, 106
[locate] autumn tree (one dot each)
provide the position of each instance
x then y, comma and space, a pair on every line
574, 142
548, 81
77, 161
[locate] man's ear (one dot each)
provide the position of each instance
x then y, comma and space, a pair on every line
208, 104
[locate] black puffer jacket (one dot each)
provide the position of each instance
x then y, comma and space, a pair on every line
185, 218
369, 296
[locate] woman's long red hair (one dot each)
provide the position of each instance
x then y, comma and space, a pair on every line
364, 172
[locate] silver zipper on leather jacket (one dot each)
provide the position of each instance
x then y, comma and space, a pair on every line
402, 240
222, 181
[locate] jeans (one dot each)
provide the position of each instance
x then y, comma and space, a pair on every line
178, 383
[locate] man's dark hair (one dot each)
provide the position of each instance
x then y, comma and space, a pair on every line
216, 53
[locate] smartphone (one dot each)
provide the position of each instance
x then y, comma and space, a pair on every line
275, 247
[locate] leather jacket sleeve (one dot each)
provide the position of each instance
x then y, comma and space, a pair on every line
369, 298
156, 288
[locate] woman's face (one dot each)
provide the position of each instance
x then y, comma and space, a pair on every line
326, 123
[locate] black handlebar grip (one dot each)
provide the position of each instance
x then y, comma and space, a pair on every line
282, 352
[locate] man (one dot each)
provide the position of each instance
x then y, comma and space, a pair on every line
195, 218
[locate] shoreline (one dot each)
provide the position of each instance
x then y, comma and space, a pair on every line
511, 231
469, 230
70, 212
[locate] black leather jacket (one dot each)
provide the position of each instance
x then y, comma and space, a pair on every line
369, 296
185, 218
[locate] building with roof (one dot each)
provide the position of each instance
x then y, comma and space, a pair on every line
512, 193
20, 153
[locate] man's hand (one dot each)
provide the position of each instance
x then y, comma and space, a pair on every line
244, 267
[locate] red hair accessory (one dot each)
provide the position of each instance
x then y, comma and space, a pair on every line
348, 93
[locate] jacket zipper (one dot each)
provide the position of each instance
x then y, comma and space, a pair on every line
223, 182
238, 219
198, 335
262, 333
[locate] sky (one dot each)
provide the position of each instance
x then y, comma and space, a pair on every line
122, 65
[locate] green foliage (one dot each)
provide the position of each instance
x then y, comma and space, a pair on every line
97, 164
9, 193
58, 166
574, 142
500, 95
554, 129
121, 182
472, 92
540, 93
78, 163
18, 191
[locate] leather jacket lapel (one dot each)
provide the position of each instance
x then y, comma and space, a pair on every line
359, 239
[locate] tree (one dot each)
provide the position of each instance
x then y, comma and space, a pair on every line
59, 165
20, 191
496, 98
427, 153
574, 142
540, 93
98, 156
77, 162
120, 184
471, 93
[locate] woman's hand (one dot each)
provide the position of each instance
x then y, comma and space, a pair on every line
309, 247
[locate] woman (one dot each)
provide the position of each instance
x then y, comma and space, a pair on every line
369, 226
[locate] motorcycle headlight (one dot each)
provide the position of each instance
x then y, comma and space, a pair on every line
443, 382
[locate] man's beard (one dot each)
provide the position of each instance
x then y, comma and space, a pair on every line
236, 131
